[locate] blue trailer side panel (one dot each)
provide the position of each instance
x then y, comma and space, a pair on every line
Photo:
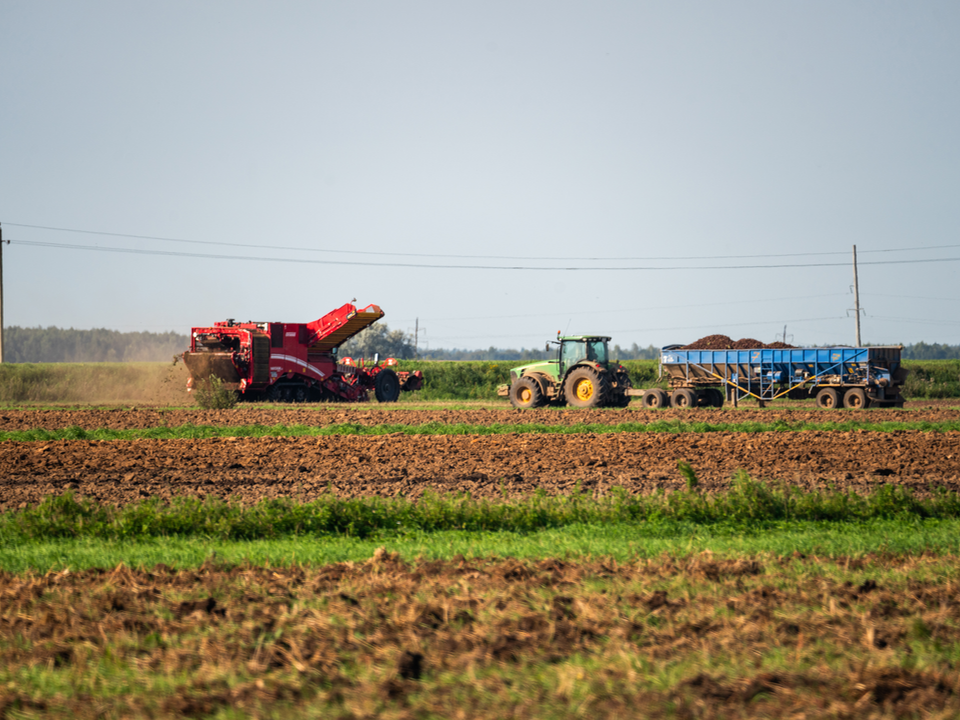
768, 373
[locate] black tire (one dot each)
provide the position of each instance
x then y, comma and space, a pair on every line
586, 388
300, 394
683, 398
526, 393
654, 398
274, 394
620, 398
386, 386
827, 399
855, 399
714, 397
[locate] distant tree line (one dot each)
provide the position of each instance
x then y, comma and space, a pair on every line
54, 344
930, 351
378, 339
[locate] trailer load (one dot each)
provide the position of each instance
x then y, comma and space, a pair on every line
295, 362
850, 377
582, 375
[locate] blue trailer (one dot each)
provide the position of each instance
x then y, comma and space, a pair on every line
850, 377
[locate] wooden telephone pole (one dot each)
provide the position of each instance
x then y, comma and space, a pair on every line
856, 294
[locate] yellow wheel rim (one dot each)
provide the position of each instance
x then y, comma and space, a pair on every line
584, 389
525, 395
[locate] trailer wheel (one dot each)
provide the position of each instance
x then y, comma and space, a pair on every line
683, 398
525, 393
827, 398
654, 398
855, 399
585, 387
714, 397
386, 386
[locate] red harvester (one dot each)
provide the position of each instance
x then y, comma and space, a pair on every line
295, 362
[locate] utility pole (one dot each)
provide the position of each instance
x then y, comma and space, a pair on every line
856, 294
416, 333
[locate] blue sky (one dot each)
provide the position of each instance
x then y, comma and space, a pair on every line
497, 171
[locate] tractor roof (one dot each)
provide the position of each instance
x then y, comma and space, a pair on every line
585, 337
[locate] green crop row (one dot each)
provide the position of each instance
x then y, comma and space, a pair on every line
749, 503
201, 432
478, 380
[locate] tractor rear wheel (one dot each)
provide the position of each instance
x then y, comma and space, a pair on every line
386, 386
525, 393
585, 387
654, 398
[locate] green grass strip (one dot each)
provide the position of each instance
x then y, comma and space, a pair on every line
622, 542
200, 432
747, 507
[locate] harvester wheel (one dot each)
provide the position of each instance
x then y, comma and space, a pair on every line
654, 398
827, 398
300, 394
585, 387
274, 394
683, 398
525, 393
855, 399
386, 386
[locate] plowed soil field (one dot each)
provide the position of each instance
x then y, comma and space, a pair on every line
474, 638
248, 469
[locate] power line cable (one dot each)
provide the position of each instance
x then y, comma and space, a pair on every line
464, 257
713, 267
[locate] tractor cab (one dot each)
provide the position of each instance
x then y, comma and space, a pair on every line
578, 349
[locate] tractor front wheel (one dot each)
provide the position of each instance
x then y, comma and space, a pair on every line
525, 393
585, 387
386, 386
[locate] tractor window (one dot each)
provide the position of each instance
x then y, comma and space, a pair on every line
572, 352
597, 351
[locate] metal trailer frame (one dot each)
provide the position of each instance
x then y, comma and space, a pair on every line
768, 374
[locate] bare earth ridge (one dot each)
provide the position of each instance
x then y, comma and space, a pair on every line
248, 469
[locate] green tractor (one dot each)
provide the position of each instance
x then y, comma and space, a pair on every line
582, 376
